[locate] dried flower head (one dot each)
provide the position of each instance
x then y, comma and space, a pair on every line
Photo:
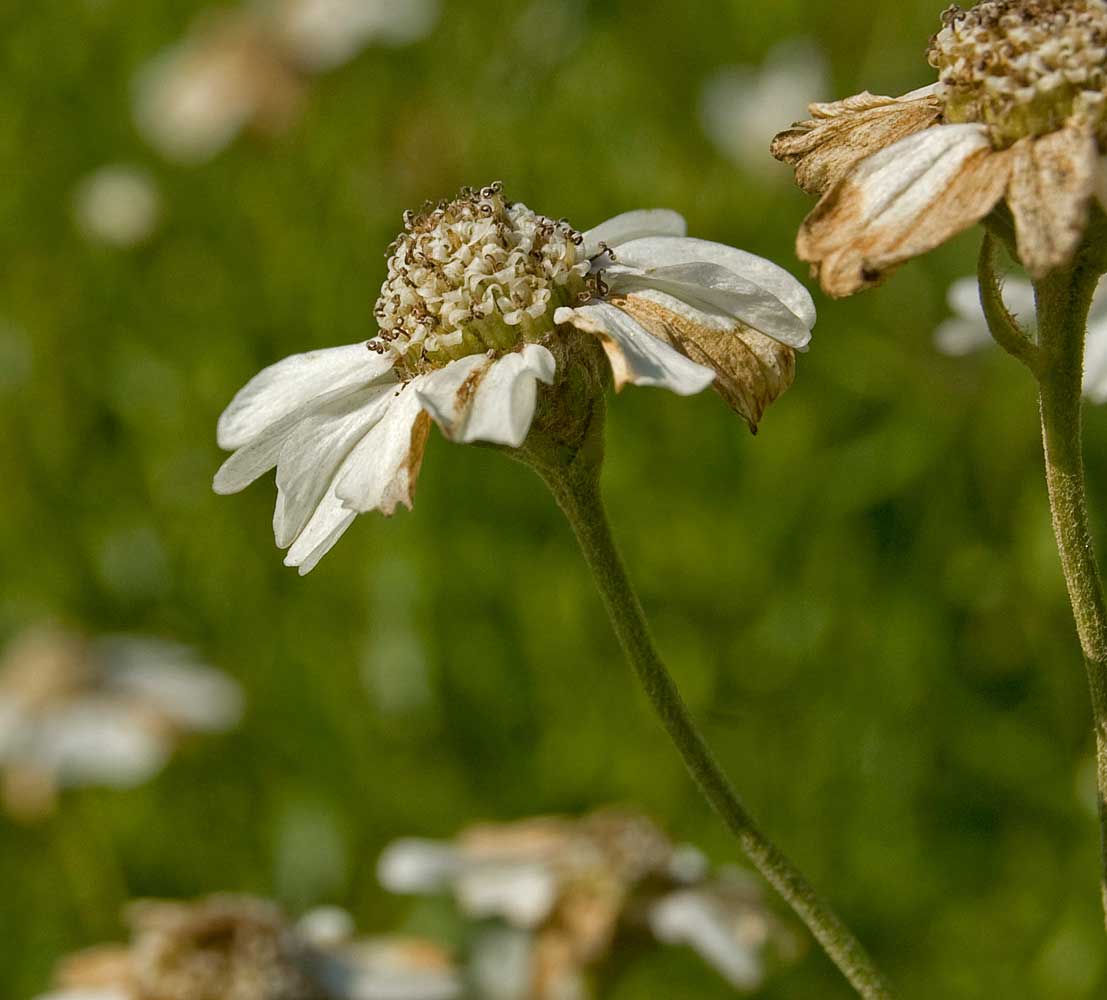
569, 890
230, 947
484, 300
1017, 116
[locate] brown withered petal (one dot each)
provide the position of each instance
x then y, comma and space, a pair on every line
1052, 181
751, 370
843, 132
102, 968
900, 203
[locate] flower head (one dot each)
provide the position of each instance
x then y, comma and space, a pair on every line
558, 893
228, 947
484, 300
1017, 116
110, 712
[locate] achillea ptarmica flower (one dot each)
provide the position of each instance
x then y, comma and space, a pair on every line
561, 891
484, 300
230, 947
1018, 115
967, 330
79, 712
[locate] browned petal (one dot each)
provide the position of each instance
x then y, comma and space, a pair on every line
901, 203
841, 133
751, 370
1052, 180
103, 968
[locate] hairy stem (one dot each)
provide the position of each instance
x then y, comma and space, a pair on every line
576, 488
1064, 299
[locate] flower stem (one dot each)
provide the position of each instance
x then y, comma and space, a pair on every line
1064, 300
577, 490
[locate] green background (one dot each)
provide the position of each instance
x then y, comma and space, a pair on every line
862, 604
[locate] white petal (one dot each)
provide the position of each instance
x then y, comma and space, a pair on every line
693, 918
100, 741
316, 448
958, 337
414, 865
325, 527
282, 388
194, 697
522, 893
633, 225
637, 356
488, 401
1095, 362
667, 251
380, 472
710, 287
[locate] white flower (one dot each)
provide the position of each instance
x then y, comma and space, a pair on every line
118, 205
477, 293
967, 330
229, 73
741, 107
1017, 116
323, 34
106, 712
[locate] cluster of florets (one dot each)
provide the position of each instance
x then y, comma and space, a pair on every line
476, 274
1023, 67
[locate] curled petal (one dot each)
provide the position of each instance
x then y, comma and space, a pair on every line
1053, 178
636, 355
282, 388
751, 370
633, 225
669, 252
900, 203
843, 132
485, 399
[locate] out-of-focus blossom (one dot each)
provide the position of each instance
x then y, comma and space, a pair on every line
741, 107
561, 891
76, 712
967, 330
229, 73
117, 205
241, 948
323, 34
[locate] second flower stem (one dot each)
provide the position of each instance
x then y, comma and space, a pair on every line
577, 491
1064, 300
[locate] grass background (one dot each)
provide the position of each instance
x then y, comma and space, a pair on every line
862, 604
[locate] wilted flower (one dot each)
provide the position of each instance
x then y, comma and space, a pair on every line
967, 330
323, 34
1019, 114
741, 107
484, 299
229, 73
99, 712
562, 891
240, 948
118, 205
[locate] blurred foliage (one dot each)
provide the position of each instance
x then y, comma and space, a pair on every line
862, 604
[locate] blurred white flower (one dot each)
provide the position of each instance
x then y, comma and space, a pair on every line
741, 107
243, 948
118, 205
478, 291
967, 330
102, 712
561, 890
323, 34
230, 72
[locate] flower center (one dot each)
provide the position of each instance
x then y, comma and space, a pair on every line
476, 274
1023, 67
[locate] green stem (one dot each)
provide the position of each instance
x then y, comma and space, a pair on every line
576, 488
1064, 300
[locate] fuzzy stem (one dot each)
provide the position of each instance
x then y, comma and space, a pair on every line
1064, 300
577, 490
